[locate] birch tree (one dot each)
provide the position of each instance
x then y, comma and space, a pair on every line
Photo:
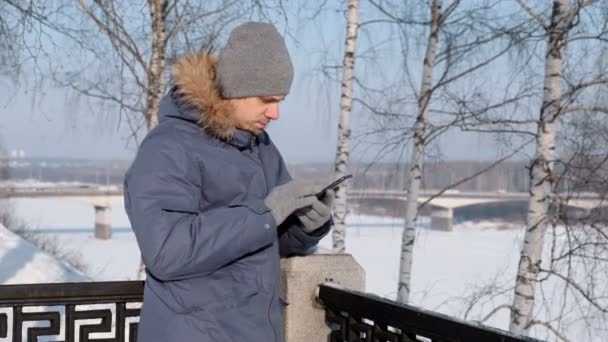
461, 41
119, 52
150, 78
344, 126
544, 201
571, 299
558, 290
414, 175
138, 49
542, 185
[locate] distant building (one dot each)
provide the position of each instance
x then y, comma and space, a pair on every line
17, 154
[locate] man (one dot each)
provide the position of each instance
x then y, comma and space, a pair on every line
211, 202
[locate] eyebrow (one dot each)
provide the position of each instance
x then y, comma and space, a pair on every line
270, 99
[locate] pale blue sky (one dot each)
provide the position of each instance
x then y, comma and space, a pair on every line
51, 123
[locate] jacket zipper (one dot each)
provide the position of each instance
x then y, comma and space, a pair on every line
255, 153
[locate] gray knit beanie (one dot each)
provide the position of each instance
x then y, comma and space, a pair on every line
254, 62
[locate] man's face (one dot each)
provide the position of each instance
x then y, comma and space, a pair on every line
253, 114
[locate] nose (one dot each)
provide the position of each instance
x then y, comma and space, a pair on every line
273, 111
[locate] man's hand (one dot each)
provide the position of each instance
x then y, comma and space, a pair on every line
318, 213
285, 199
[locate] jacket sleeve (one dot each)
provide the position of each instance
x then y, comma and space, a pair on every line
294, 241
177, 241
292, 238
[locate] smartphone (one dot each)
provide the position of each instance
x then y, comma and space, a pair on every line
333, 185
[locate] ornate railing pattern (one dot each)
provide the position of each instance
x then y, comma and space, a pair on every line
70, 312
358, 317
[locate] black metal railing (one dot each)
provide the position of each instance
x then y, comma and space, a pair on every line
28, 312
358, 317
67, 310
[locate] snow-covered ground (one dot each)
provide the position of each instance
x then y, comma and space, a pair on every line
71, 224
449, 267
22, 263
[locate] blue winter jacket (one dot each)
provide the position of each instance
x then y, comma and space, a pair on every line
195, 198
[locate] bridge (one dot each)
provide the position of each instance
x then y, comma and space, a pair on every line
456, 199
100, 197
441, 206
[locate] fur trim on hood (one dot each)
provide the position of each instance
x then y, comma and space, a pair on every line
195, 78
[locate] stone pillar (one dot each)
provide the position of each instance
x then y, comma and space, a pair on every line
103, 226
441, 219
300, 276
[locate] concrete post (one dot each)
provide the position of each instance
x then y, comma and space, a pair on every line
300, 276
441, 219
103, 226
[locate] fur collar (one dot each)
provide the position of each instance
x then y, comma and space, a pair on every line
195, 78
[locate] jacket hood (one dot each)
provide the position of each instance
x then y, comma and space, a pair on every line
196, 86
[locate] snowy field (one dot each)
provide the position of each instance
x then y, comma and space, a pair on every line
21, 262
449, 267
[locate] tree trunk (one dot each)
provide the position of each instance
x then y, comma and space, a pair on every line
156, 81
541, 207
343, 149
414, 175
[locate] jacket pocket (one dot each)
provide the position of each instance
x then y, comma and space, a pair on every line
196, 325
215, 293
235, 301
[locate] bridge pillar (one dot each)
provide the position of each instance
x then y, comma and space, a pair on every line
301, 277
103, 226
441, 219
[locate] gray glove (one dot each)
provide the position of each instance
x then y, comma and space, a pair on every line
284, 199
316, 215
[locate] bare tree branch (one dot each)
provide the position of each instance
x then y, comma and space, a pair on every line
583, 108
493, 312
550, 328
531, 12
113, 34
574, 88
396, 19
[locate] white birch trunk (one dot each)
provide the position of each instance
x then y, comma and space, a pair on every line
343, 149
156, 82
414, 175
542, 183
155, 79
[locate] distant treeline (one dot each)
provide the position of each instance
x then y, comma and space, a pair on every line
508, 176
